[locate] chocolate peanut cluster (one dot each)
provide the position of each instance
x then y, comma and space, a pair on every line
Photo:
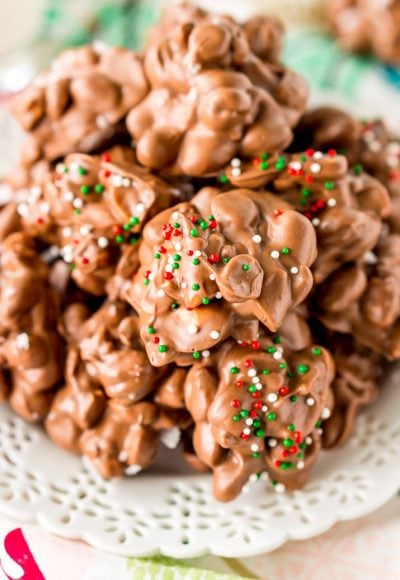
367, 26
188, 260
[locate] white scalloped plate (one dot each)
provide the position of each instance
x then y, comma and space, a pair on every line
169, 511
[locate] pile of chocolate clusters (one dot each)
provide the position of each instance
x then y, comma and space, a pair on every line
190, 259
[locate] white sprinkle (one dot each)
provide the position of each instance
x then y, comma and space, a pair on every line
256, 380
197, 253
320, 431
316, 221
212, 276
370, 258
44, 207
331, 202
326, 413
236, 162
102, 242
214, 334
171, 437
68, 196
178, 246
296, 165
169, 268
375, 146
310, 401
236, 171
272, 442
171, 260
123, 456
246, 431
22, 341
264, 476
275, 254
259, 386
300, 465
252, 372
294, 270
67, 232
117, 180
264, 408
193, 329
318, 155
277, 355
257, 239
102, 122
60, 167
78, 203
253, 478
308, 440
23, 209
249, 422
74, 166
245, 489
160, 293
272, 397
254, 447
140, 208
126, 182
85, 230
205, 353
133, 469
151, 276
175, 215
280, 488
315, 167
218, 296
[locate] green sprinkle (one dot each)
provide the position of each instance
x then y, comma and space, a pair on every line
234, 370
256, 424
256, 455
119, 239
162, 348
260, 433
146, 282
290, 374
236, 418
271, 416
134, 221
246, 267
303, 369
205, 301
226, 260
77, 212
318, 424
195, 287
126, 227
223, 178
291, 427
157, 256
277, 340
286, 251
303, 445
99, 188
358, 168
177, 225
176, 257
303, 158
194, 233
203, 224
293, 399
329, 185
151, 330
300, 455
303, 202
195, 261
264, 165
196, 355
287, 442
85, 189
252, 389
82, 171
175, 266
305, 192
133, 240
244, 413
265, 156
174, 306
211, 218
271, 349
266, 371
317, 351
282, 365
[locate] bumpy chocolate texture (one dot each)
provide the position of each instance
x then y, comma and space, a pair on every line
345, 207
214, 94
100, 412
93, 208
356, 385
367, 26
78, 103
31, 355
363, 299
216, 266
259, 409
369, 144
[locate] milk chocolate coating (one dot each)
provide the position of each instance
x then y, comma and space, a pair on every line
212, 97
346, 207
255, 409
206, 262
77, 104
363, 299
30, 348
100, 413
356, 385
367, 26
93, 208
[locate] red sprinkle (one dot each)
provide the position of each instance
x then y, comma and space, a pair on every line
168, 276
256, 394
283, 391
310, 152
85, 261
117, 230
213, 224
258, 405
255, 345
239, 384
278, 463
332, 152
235, 403
309, 179
156, 340
253, 413
248, 363
106, 157
278, 212
244, 436
213, 258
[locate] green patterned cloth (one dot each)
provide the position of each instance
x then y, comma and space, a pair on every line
162, 568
